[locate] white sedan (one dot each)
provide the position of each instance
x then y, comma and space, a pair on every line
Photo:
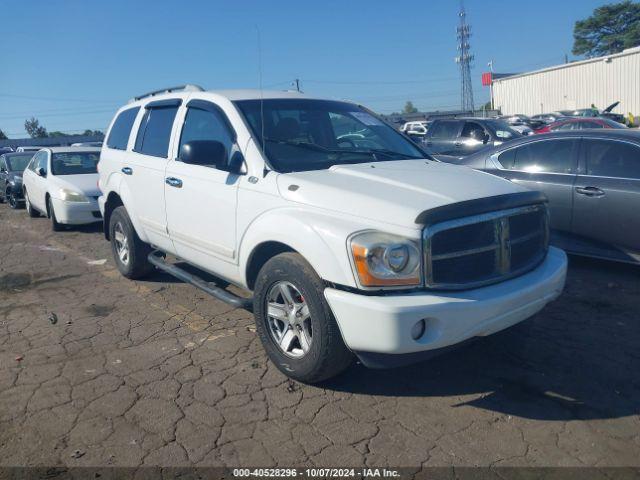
61, 183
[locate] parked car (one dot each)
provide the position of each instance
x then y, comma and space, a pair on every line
525, 124
418, 129
11, 167
5, 150
33, 148
87, 144
377, 251
463, 136
580, 124
547, 118
61, 183
592, 181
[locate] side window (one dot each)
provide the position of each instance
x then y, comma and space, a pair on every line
444, 130
119, 134
42, 162
605, 158
550, 156
565, 126
590, 125
155, 131
205, 125
473, 130
507, 159
3, 164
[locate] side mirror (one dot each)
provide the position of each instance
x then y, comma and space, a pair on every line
204, 152
486, 138
41, 173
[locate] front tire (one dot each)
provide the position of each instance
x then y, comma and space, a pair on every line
11, 198
33, 213
129, 252
294, 321
55, 225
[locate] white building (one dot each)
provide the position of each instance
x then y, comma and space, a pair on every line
598, 81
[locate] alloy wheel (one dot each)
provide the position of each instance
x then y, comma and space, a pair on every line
121, 243
289, 319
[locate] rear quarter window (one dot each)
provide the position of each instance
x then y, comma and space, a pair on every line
121, 130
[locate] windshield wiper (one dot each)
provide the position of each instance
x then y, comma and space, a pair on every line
343, 151
391, 153
308, 145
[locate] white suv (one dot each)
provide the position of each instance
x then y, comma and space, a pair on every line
349, 243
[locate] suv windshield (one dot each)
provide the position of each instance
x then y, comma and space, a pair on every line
502, 130
302, 134
74, 163
17, 163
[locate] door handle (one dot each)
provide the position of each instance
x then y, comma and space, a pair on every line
590, 191
127, 170
173, 182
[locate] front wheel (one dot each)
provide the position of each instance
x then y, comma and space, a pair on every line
294, 321
33, 213
55, 225
11, 198
129, 252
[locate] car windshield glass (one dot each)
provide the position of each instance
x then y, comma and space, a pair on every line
17, 163
303, 134
502, 130
74, 163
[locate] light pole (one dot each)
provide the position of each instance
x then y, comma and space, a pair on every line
490, 65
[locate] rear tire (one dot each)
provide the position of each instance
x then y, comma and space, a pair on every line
11, 198
294, 321
33, 213
129, 252
55, 225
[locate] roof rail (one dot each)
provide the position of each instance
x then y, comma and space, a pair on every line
183, 88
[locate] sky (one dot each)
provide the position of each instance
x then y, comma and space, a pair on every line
72, 63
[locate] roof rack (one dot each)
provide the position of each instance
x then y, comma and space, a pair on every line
184, 88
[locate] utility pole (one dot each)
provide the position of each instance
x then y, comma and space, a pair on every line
464, 59
297, 82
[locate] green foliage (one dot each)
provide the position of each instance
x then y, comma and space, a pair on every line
409, 108
610, 29
58, 134
92, 132
3, 136
34, 129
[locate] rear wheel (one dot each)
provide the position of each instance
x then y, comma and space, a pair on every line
129, 252
294, 321
55, 225
33, 213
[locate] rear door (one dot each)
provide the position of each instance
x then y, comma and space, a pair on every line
145, 167
38, 184
607, 193
548, 166
442, 137
201, 200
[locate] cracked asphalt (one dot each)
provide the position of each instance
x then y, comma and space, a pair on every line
157, 373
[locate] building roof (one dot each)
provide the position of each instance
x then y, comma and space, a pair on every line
628, 51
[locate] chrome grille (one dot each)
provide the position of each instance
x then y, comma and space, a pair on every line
486, 248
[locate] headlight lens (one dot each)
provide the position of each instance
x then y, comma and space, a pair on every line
72, 196
385, 260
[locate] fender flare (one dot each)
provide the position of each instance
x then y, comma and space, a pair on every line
318, 237
120, 188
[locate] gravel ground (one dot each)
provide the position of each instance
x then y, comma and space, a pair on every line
156, 373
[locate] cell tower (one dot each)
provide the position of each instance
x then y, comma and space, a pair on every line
464, 59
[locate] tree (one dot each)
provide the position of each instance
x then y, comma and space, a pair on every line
610, 29
58, 134
34, 129
409, 108
92, 133
3, 136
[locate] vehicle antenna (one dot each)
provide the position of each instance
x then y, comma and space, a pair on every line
261, 92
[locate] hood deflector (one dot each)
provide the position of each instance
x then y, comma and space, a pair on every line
478, 206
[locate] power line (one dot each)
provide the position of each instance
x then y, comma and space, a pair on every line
58, 99
14, 117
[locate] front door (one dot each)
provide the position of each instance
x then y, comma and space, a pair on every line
548, 166
607, 193
201, 200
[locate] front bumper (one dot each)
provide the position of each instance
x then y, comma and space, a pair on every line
382, 324
76, 213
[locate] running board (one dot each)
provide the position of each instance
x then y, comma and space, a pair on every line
155, 258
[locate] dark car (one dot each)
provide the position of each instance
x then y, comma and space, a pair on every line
592, 181
463, 136
11, 167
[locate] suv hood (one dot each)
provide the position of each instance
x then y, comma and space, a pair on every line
391, 192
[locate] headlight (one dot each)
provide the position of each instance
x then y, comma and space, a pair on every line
72, 196
385, 260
